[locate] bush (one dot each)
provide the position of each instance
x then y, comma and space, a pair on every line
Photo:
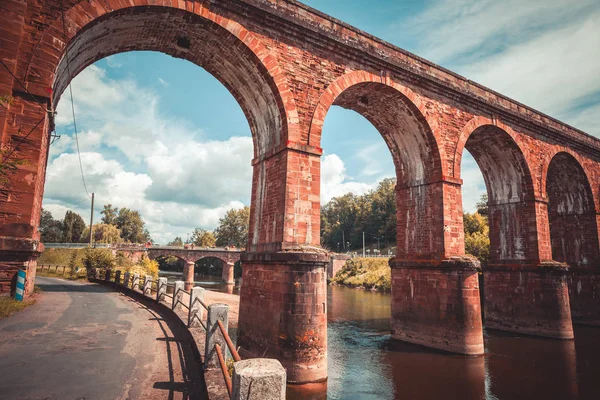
368, 273
61, 257
98, 259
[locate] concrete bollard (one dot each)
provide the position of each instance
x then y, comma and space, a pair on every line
177, 293
107, 275
258, 379
161, 289
97, 272
196, 309
118, 277
147, 285
126, 278
136, 281
214, 336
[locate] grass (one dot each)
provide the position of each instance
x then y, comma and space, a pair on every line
59, 274
9, 306
365, 273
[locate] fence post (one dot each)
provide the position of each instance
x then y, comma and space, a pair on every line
258, 379
97, 272
147, 284
177, 293
64, 268
195, 309
136, 281
214, 336
118, 277
161, 289
126, 279
108, 273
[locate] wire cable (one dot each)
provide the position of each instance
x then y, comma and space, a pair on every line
22, 85
22, 140
73, 104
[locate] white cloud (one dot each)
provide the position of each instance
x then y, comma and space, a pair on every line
135, 157
334, 181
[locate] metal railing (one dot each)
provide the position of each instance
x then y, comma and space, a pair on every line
217, 335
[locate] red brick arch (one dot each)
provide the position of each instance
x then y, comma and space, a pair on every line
415, 106
47, 66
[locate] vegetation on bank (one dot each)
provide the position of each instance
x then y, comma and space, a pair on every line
95, 258
9, 306
365, 273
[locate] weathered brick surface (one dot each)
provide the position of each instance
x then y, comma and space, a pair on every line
533, 300
283, 312
286, 65
438, 305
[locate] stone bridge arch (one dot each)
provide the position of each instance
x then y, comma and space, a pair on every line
191, 256
286, 64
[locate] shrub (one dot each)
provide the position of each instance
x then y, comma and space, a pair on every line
368, 273
98, 259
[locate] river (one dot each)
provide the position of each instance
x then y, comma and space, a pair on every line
365, 363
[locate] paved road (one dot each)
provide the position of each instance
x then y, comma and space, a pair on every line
83, 341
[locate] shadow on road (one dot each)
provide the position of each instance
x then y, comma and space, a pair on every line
72, 288
179, 353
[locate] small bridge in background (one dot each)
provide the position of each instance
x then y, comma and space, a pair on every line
229, 256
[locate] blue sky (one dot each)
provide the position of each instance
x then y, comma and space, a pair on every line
163, 136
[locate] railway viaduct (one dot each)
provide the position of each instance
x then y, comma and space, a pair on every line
287, 64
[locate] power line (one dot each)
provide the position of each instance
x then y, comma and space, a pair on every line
72, 103
22, 140
23, 86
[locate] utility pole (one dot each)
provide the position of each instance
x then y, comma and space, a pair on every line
92, 220
363, 245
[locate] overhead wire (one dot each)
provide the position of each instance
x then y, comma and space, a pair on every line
35, 100
72, 103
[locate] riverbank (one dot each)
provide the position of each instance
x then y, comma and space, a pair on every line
365, 273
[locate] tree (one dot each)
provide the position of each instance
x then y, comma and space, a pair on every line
233, 228
482, 205
477, 236
51, 230
132, 226
73, 227
109, 214
204, 238
103, 233
176, 242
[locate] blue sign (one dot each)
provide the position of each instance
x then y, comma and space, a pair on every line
20, 285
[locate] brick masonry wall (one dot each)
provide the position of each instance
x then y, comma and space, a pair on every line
287, 65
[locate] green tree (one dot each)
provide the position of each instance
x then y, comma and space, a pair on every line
103, 233
132, 226
51, 230
203, 238
73, 227
176, 242
477, 236
233, 228
482, 205
109, 214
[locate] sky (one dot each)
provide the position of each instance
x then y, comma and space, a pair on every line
162, 136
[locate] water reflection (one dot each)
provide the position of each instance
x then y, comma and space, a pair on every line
365, 363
